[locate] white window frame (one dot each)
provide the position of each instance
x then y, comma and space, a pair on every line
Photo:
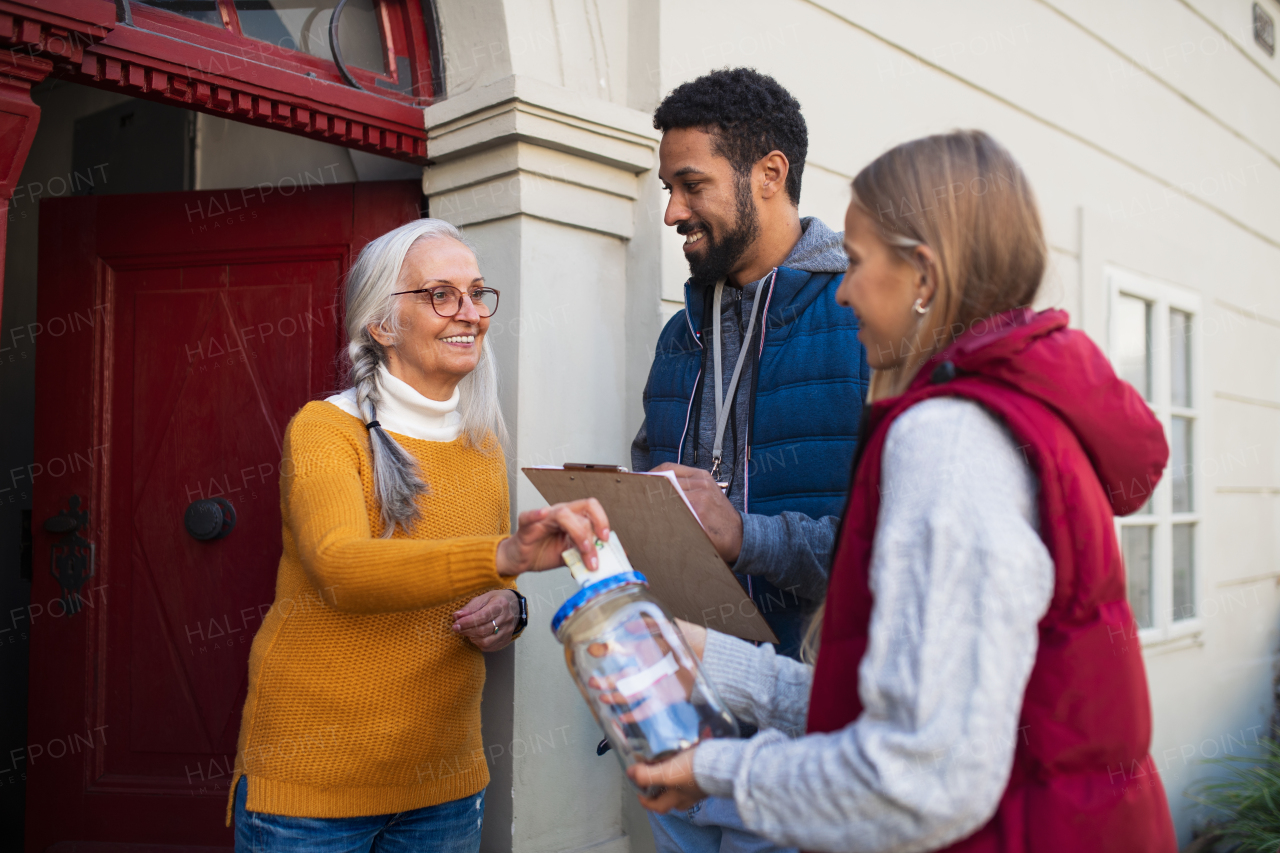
1163, 297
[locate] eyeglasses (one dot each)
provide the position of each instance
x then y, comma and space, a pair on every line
447, 300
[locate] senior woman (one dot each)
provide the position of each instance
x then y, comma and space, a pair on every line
361, 727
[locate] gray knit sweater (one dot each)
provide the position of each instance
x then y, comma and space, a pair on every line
960, 580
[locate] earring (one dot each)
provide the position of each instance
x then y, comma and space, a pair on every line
919, 307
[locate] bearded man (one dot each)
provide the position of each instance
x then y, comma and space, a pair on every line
756, 389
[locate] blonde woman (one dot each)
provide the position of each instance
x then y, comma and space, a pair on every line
361, 729
973, 689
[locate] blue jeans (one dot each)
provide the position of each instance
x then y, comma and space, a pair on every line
711, 826
452, 827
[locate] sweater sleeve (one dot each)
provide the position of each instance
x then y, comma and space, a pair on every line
325, 511
790, 550
640, 449
760, 686
960, 580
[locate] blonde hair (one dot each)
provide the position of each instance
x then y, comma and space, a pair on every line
965, 197
397, 477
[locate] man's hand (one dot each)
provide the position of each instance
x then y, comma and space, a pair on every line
677, 789
722, 522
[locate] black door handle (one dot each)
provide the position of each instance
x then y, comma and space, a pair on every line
209, 519
60, 523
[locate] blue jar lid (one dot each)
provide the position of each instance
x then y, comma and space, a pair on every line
590, 591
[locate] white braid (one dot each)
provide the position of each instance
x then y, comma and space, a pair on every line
397, 477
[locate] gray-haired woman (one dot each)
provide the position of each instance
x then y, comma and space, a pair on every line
361, 728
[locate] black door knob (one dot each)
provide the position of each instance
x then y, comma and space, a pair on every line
210, 518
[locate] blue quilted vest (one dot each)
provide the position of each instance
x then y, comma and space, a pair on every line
809, 385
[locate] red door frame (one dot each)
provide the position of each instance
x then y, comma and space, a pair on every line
168, 58
75, 714
173, 61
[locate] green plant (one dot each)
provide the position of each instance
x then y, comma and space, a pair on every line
1245, 800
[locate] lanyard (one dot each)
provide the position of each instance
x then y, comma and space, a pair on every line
723, 405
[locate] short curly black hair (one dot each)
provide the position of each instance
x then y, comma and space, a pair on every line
748, 113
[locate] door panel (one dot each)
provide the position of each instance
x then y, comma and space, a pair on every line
203, 337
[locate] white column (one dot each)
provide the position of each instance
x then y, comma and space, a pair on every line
544, 181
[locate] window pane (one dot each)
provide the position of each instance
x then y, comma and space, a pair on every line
1133, 343
205, 11
1135, 544
303, 25
1184, 571
1180, 465
1180, 358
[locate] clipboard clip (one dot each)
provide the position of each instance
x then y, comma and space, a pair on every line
588, 466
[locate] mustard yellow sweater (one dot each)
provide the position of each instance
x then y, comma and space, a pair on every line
361, 699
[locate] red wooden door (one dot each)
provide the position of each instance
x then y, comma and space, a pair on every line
180, 332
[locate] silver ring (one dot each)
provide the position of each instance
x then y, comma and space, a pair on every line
495, 626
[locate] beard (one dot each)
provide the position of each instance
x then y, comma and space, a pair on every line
722, 252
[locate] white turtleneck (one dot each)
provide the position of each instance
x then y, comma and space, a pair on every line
406, 412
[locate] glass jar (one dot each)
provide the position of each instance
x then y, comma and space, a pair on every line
640, 678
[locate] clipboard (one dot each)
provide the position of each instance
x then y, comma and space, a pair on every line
665, 542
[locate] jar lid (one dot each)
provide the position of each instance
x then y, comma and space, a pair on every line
590, 591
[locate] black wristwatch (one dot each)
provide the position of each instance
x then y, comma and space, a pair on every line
522, 621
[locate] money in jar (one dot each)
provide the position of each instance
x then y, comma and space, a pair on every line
639, 677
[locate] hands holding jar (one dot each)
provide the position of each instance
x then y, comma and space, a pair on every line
632, 660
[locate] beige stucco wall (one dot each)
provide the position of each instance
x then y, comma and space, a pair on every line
1152, 136
1150, 130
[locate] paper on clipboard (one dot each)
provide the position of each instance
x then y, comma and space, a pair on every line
670, 475
665, 541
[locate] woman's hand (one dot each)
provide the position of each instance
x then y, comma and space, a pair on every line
544, 533
694, 635
674, 778
489, 619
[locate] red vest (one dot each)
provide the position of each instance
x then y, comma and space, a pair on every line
1082, 778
